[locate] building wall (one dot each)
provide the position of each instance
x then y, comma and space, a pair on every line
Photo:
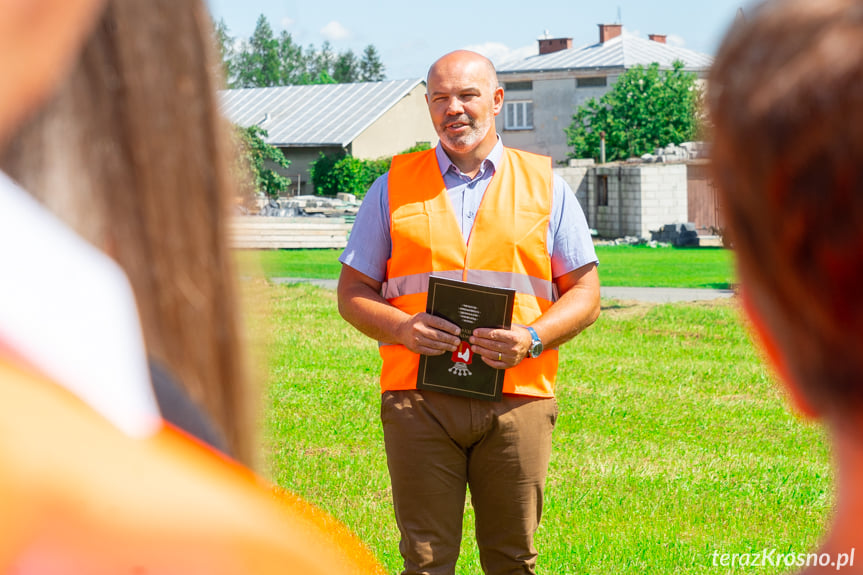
401, 127
555, 98
641, 197
622, 214
663, 196
519, 139
578, 180
301, 160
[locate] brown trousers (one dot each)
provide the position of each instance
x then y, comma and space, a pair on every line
437, 445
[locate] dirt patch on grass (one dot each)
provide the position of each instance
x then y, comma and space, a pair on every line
625, 309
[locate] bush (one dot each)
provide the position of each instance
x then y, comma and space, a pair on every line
334, 173
321, 170
251, 167
647, 108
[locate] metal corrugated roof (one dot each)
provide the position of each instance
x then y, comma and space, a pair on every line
317, 115
624, 51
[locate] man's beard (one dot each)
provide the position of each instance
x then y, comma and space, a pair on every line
468, 140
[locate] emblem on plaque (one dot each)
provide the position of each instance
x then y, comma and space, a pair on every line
461, 357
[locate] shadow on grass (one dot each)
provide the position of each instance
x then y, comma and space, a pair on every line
700, 248
612, 304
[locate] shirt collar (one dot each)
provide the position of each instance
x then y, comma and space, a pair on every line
67, 310
493, 158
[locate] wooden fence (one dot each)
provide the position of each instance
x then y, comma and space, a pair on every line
262, 232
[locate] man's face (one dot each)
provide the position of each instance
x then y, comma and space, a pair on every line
463, 99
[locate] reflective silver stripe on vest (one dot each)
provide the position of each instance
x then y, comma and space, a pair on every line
418, 283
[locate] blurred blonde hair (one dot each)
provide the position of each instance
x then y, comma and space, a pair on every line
134, 154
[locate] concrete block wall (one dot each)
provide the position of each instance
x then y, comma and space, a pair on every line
664, 196
622, 215
641, 197
577, 178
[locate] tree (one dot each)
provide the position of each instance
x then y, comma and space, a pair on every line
292, 64
324, 77
371, 67
225, 44
258, 64
321, 61
255, 153
264, 60
346, 68
646, 109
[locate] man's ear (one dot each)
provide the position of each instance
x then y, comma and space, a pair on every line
764, 338
498, 100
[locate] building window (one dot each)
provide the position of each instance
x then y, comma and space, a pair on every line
523, 86
592, 82
519, 115
601, 190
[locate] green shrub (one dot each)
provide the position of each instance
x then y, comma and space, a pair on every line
334, 173
252, 162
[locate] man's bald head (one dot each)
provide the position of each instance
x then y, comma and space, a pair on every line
463, 62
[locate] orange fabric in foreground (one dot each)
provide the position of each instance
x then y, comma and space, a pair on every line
79, 496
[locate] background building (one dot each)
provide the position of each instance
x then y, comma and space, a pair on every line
367, 120
543, 91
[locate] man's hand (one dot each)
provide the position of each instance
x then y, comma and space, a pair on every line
428, 334
361, 304
577, 308
501, 348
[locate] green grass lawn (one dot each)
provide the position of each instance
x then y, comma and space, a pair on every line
619, 265
672, 443
642, 266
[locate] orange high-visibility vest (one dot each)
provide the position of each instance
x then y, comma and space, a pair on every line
77, 495
507, 248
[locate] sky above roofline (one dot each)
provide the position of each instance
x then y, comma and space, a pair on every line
410, 39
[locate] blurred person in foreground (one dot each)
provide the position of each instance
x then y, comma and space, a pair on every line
474, 210
93, 480
786, 101
131, 153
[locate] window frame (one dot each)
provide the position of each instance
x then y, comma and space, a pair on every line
511, 115
518, 86
587, 82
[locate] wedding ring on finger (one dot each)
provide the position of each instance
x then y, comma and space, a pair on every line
499, 356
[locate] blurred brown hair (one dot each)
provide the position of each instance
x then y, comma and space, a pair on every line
786, 101
133, 153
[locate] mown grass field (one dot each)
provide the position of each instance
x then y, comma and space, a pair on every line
673, 442
619, 266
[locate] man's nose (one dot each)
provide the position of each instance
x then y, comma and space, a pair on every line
454, 107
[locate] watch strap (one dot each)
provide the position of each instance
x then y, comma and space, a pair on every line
535, 342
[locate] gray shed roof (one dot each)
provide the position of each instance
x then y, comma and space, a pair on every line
317, 115
624, 51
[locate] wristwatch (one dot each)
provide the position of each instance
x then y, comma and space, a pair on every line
535, 343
